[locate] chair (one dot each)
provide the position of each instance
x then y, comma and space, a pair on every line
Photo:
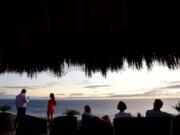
142, 126
30, 125
64, 125
6, 122
176, 126
158, 126
94, 126
128, 126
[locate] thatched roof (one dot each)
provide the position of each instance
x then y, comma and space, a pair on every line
98, 34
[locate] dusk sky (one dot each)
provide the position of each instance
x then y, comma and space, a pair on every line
159, 82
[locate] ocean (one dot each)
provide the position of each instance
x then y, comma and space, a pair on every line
99, 107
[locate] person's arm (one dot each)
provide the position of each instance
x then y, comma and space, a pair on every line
168, 115
49, 104
25, 99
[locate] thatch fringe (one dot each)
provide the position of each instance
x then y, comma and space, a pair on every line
92, 59
40, 35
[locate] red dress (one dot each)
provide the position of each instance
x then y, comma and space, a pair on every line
51, 106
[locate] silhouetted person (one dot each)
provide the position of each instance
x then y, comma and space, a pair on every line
94, 125
107, 119
51, 106
156, 111
87, 113
139, 115
122, 114
21, 101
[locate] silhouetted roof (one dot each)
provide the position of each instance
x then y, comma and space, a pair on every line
98, 34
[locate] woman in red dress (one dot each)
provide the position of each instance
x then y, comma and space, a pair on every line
51, 106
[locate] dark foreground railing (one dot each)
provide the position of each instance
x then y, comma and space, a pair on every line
30, 125
95, 126
64, 126
147, 126
6, 123
89, 126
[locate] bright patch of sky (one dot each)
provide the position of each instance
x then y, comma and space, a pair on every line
159, 82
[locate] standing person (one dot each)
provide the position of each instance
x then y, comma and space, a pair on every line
122, 114
156, 111
21, 101
51, 106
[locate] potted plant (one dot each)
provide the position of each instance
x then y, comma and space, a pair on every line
4, 108
71, 112
177, 108
6, 120
67, 124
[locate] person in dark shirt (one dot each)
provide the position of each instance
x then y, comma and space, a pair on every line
156, 111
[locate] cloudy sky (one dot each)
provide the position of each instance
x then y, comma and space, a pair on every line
159, 82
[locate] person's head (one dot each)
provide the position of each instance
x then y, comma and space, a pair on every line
158, 104
139, 115
23, 91
121, 106
106, 117
52, 96
87, 108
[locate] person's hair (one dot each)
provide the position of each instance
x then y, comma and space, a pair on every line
23, 91
53, 97
139, 115
121, 106
158, 104
87, 108
105, 117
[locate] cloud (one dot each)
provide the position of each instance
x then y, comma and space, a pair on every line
170, 85
19, 87
171, 82
60, 94
49, 84
2, 93
123, 95
153, 92
97, 86
176, 86
83, 82
5, 95
77, 94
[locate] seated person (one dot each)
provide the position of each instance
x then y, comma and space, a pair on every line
156, 111
122, 114
87, 114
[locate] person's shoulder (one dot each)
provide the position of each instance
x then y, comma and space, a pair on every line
149, 111
166, 114
88, 115
18, 95
49, 100
117, 115
129, 114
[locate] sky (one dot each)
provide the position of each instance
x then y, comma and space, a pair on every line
128, 83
